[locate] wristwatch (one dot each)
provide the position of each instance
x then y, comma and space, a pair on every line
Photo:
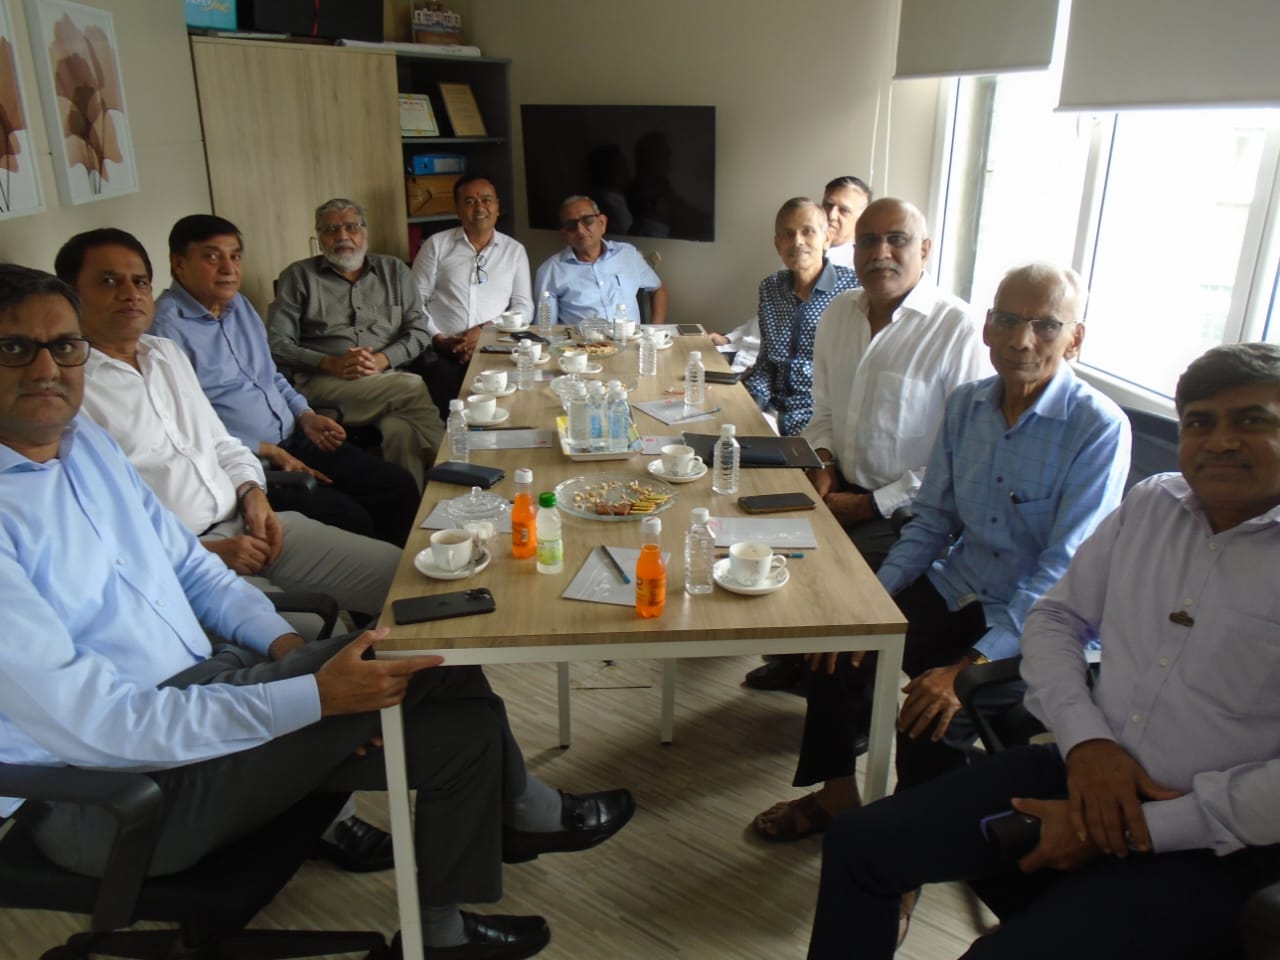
977, 656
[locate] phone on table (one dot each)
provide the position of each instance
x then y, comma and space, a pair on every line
776, 502
689, 329
443, 606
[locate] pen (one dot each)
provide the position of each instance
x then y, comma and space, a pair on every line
700, 413
481, 429
795, 555
614, 563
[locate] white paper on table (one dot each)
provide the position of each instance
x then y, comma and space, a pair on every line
672, 410
439, 519
511, 439
796, 533
653, 444
598, 582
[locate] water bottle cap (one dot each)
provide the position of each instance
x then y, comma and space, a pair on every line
727, 429
695, 355
547, 499
701, 515
524, 475
651, 525
455, 405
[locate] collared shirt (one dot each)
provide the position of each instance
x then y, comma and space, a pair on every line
318, 312
841, 256
105, 595
782, 380
878, 403
160, 417
230, 357
455, 297
1021, 497
1193, 699
582, 289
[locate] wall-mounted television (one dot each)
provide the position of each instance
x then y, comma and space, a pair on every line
652, 170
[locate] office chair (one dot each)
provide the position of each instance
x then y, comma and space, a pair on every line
210, 903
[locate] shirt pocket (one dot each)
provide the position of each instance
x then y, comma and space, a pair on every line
1239, 673
901, 407
1035, 517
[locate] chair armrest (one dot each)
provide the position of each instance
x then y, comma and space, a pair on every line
291, 479
133, 800
302, 601
971, 680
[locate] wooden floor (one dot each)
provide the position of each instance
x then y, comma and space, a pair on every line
685, 879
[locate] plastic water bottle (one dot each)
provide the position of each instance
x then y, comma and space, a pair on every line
550, 537
618, 415
524, 531
724, 475
619, 318
695, 382
524, 365
459, 435
648, 355
651, 572
699, 553
579, 418
596, 416
546, 309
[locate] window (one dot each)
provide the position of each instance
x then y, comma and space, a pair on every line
1167, 215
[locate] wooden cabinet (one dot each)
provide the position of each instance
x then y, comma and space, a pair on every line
288, 126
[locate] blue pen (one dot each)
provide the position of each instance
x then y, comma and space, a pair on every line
794, 556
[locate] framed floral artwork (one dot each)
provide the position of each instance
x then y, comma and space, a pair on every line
19, 179
78, 69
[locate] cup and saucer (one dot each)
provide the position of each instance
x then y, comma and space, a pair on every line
751, 569
776, 580
655, 469
427, 565
499, 415
678, 464
478, 387
543, 359
511, 322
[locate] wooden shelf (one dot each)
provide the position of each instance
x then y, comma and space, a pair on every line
417, 140
436, 218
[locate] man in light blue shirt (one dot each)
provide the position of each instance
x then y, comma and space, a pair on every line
1025, 465
105, 663
592, 276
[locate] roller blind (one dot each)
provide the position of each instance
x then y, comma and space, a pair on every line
1167, 53
947, 38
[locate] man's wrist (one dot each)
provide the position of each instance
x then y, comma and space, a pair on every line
976, 656
246, 489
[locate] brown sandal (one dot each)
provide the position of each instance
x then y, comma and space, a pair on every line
792, 820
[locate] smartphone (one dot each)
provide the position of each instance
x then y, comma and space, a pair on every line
496, 348
689, 329
724, 376
776, 502
1012, 833
443, 606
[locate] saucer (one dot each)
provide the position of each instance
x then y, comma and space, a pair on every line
540, 362
507, 391
775, 581
501, 329
589, 369
655, 469
666, 346
499, 416
425, 564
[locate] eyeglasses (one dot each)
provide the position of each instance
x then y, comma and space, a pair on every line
589, 221
478, 275
349, 226
872, 241
22, 351
1045, 328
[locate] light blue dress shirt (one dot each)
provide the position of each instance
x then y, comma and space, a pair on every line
103, 595
1192, 699
582, 289
1018, 500
233, 362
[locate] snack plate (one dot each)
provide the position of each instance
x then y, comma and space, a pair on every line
579, 496
595, 348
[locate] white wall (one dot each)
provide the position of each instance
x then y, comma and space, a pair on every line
801, 92
155, 64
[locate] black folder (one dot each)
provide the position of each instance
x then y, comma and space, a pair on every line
765, 451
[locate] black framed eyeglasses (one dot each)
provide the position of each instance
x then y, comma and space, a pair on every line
22, 351
1045, 328
346, 226
589, 221
478, 275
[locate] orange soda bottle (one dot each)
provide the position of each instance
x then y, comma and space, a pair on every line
524, 532
651, 571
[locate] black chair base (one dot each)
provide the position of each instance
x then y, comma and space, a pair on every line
245, 945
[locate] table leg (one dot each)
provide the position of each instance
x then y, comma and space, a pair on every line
884, 711
562, 683
667, 727
402, 833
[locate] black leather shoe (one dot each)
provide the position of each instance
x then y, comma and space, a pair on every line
489, 938
357, 846
782, 673
587, 819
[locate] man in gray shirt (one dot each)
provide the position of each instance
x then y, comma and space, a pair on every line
349, 325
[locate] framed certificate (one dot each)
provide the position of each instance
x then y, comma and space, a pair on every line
417, 119
464, 114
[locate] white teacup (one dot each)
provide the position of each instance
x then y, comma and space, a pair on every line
492, 381
678, 460
511, 320
574, 361
750, 564
451, 549
535, 350
481, 407
661, 337
623, 329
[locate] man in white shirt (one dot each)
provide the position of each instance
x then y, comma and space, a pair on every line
844, 199
467, 276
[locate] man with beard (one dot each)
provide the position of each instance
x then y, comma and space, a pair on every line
349, 325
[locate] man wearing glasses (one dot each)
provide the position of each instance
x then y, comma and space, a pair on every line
593, 276
467, 276
349, 325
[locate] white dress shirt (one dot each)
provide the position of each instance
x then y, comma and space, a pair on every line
878, 403
151, 413
841, 256
445, 272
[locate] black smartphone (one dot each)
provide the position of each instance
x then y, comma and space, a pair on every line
776, 502
443, 606
496, 348
689, 329
724, 376
466, 474
1012, 833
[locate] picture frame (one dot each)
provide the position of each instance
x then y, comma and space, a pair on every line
464, 112
20, 190
417, 119
82, 92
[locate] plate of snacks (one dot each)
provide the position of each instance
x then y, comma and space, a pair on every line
593, 348
614, 496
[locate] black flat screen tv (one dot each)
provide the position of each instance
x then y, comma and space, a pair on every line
652, 170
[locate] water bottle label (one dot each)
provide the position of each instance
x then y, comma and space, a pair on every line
551, 552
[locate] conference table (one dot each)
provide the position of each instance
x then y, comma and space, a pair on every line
832, 601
